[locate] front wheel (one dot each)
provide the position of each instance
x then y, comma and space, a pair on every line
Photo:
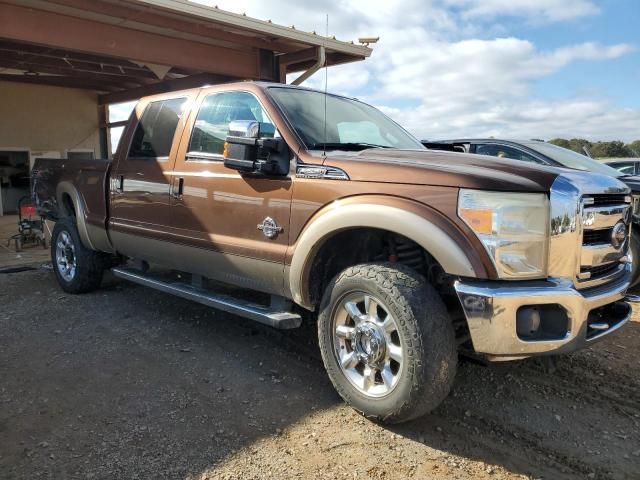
77, 268
387, 342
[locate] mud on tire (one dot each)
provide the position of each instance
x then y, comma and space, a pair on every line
66, 250
423, 329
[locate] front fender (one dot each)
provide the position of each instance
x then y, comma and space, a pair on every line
425, 226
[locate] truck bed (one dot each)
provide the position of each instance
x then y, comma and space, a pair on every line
62, 187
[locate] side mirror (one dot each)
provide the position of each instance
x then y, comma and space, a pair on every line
246, 152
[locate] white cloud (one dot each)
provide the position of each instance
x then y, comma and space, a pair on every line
438, 71
549, 10
528, 119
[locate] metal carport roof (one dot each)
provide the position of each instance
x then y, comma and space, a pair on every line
126, 49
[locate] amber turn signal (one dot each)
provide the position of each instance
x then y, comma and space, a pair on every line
479, 219
225, 150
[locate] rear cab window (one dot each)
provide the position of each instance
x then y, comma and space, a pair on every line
154, 133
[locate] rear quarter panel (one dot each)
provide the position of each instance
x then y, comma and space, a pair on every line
61, 188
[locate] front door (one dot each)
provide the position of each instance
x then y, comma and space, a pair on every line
141, 177
218, 212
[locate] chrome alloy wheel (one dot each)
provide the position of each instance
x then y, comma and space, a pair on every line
66, 257
367, 344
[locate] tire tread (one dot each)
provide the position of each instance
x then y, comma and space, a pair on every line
431, 352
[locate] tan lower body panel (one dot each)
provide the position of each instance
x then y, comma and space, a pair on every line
243, 272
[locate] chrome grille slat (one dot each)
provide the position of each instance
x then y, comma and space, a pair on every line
600, 254
596, 218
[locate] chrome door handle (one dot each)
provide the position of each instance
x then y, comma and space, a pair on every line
179, 189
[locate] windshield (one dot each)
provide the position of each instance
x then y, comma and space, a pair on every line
350, 125
571, 159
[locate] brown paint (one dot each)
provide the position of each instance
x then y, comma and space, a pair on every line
220, 208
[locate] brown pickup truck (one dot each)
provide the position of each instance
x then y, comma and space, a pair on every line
281, 203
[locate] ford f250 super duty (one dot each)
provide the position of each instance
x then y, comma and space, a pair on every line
280, 203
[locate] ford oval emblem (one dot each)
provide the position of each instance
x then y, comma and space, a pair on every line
618, 234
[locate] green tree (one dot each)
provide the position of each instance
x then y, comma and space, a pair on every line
579, 144
634, 148
561, 142
615, 149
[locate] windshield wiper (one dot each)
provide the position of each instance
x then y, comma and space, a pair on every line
349, 146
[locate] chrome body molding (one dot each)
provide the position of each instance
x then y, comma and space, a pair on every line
588, 239
565, 231
491, 308
582, 299
320, 171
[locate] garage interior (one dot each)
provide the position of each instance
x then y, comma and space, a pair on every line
64, 62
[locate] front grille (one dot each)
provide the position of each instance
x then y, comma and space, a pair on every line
603, 319
594, 237
602, 270
600, 260
605, 199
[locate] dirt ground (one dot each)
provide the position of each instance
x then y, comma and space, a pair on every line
134, 384
31, 254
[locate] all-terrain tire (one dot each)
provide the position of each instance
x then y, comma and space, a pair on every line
89, 264
426, 334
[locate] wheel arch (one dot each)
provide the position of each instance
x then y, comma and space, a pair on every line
423, 225
70, 204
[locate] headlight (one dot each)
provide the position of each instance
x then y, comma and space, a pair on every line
513, 227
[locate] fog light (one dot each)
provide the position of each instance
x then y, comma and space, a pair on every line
527, 321
542, 322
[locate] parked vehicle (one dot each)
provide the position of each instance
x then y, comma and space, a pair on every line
626, 166
543, 153
324, 207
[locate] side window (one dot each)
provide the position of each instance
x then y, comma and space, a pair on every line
502, 151
154, 134
217, 111
626, 168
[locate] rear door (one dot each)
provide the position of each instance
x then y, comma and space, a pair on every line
141, 179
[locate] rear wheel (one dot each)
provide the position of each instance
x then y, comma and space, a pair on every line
387, 342
77, 268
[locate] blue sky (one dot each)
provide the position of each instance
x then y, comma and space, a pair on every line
618, 22
506, 68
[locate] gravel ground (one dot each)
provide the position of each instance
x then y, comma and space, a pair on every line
131, 383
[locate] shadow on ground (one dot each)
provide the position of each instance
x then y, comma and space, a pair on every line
131, 383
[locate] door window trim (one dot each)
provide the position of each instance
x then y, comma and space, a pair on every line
207, 157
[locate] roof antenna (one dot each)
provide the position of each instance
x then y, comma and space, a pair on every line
326, 76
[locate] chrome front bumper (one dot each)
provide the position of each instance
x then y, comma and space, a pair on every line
491, 308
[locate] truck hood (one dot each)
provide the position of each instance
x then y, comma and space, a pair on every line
430, 167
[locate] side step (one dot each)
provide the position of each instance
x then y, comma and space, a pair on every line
276, 318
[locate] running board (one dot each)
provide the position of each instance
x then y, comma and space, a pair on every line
276, 318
